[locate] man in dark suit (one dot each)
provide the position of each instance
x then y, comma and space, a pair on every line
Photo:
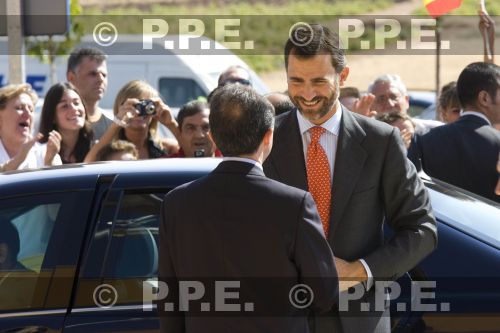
236, 224
464, 153
368, 179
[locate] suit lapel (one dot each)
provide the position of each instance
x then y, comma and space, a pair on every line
288, 159
349, 162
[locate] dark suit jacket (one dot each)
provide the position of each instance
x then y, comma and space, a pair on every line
373, 180
463, 153
236, 224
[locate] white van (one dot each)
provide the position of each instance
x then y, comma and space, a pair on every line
178, 77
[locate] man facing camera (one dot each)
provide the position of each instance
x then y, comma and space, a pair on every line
263, 234
357, 172
194, 126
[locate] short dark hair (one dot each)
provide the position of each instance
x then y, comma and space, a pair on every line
392, 117
349, 92
190, 109
76, 57
239, 119
10, 236
475, 78
280, 101
308, 40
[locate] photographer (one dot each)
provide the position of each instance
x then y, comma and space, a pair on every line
138, 109
193, 132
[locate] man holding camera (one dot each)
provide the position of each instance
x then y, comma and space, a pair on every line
193, 138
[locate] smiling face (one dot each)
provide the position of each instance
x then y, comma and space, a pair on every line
194, 134
16, 119
313, 86
70, 112
388, 98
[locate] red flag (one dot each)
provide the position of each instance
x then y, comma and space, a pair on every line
440, 7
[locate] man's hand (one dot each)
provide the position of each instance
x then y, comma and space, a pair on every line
363, 106
350, 273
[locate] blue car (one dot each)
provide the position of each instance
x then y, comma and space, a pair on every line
84, 258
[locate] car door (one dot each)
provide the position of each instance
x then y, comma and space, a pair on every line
121, 262
41, 238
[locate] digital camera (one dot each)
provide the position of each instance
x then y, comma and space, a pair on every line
146, 107
199, 153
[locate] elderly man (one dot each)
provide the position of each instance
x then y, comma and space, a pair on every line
391, 96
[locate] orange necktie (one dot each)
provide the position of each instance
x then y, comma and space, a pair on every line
318, 176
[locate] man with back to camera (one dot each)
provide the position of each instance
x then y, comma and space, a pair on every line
357, 172
88, 72
464, 153
260, 229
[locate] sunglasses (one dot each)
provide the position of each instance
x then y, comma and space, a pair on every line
240, 81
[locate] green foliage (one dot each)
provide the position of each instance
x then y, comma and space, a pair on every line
266, 23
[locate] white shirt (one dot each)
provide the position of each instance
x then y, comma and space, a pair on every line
34, 159
243, 159
328, 142
475, 113
328, 139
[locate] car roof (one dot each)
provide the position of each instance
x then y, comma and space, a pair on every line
465, 211
84, 176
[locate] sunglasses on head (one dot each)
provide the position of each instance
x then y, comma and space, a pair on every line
240, 81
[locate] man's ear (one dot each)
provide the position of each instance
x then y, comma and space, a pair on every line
70, 76
343, 75
268, 137
483, 98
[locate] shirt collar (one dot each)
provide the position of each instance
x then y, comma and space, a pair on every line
332, 125
474, 113
243, 159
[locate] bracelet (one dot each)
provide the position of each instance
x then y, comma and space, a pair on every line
119, 122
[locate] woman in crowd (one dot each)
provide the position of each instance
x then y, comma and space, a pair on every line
140, 129
19, 149
63, 112
448, 104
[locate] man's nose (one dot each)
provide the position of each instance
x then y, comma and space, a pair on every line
308, 92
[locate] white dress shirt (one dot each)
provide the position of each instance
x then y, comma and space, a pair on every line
475, 113
243, 159
328, 141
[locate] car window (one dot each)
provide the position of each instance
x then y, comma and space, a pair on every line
178, 91
124, 253
27, 229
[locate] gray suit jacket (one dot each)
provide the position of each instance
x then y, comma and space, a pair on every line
237, 224
373, 183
